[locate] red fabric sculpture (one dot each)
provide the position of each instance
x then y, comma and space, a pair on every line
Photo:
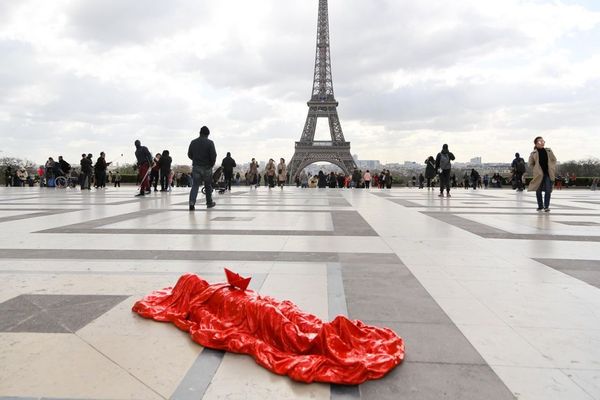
275, 333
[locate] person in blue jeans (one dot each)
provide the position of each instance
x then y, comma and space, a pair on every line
203, 155
543, 163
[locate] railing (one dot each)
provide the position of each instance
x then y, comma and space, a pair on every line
322, 143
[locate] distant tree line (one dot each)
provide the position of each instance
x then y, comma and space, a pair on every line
585, 168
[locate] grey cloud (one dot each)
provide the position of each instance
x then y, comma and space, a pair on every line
118, 22
19, 65
458, 107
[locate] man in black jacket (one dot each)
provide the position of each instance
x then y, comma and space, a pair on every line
86, 171
443, 165
165, 170
64, 166
100, 169
228, 165
203, 155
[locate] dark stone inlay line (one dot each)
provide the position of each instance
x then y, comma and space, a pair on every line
255, 232
345, 223
53, 313
197, 379
336, 303
579, 223
232, 218
489, 232
87, 254
587, 271
34, 215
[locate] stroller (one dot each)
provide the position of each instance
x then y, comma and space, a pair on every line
218, 182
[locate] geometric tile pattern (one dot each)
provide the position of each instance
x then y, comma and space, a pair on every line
494, 300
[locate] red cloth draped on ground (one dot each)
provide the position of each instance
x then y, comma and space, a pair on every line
275, 333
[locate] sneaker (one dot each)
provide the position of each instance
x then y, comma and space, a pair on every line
539, 209
546, 210
140, 194
192, 208
441, 195
211, 205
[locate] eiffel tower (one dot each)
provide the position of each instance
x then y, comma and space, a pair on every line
322, 104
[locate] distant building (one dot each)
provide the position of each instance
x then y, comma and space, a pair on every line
366, 164
475, 161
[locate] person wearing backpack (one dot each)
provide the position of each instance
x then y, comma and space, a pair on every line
518, 169
443, 166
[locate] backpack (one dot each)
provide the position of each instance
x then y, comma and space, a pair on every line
520, 166
444, 161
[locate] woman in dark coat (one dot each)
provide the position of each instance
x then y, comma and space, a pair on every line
322, 180
429, 170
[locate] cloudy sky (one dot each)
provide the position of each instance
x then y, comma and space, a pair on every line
484, 76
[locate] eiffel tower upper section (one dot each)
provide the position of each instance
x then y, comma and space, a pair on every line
322, 102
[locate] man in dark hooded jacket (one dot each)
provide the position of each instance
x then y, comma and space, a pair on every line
203, 155
165, 170
443, 166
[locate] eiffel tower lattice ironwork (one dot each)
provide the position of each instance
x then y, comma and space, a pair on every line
322, 104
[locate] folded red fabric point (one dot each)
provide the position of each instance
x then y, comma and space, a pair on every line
236, 280
277, 334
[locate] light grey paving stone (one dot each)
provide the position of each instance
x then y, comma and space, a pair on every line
434, 381
434, 343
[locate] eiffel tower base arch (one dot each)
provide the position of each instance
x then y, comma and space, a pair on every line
337, 153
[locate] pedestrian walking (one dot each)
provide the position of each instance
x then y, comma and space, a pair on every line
367, 179
270, 173
281, 173
519, 168
429, 171
228, 165
543, 163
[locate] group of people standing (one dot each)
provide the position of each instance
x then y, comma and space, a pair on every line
274, 174
542, 162
151, 170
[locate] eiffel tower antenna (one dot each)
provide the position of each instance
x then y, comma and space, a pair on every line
322, 104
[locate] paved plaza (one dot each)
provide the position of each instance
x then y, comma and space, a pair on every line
493, 299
